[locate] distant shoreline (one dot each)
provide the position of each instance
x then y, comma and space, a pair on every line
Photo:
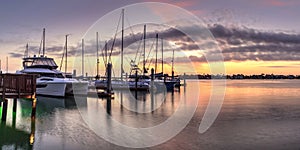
240, 77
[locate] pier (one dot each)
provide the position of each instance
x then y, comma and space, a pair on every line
14, 86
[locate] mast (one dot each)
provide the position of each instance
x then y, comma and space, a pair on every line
97, 76
162, 56
144, 51
82, 65
173, 61
44, 38
6, 64
173, 65
26, 51
66, 61
122, 45
156, 53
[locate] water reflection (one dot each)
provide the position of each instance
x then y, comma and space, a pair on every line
22, 129
12, 136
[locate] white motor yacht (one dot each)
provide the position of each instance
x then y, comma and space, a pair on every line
51, 81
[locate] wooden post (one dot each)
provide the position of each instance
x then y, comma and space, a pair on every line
184, 80
0, 107
152, 90
152, 79
109, 67
108, 90
172, 75
15, 105
4, 110
33, 109
136, 79
31, 138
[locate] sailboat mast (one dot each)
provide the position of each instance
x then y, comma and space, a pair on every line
173, 65
82, 70
156, 53
162, 56
26, 51
44, 38
144, 63
66, 61
122, 45
97, 76
6, 64
173, 61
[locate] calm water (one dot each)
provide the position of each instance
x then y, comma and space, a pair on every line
256, 114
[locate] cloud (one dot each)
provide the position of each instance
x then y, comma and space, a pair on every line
278, 3
237, 43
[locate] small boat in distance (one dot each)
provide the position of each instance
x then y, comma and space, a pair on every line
50, 81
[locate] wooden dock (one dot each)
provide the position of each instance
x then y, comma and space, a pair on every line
17, 86
14, 86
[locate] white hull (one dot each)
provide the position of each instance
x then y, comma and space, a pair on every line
61, 87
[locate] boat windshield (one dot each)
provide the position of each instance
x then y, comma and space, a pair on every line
52, 75
39, 62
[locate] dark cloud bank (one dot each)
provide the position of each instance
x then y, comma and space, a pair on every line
236, 44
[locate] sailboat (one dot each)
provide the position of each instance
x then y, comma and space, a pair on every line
50, 81
131, 84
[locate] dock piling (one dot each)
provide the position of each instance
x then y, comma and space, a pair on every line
4, 110
14, 105
108, 90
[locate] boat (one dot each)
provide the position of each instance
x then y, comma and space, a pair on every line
50, 81
123, 85
119, 84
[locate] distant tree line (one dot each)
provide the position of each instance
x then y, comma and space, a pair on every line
240, 76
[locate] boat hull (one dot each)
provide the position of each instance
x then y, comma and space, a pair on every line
61, 87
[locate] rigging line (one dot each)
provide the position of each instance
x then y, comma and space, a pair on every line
62, 58
130, 27
104, 56
112, 47
138, 49
40, 46
150, 51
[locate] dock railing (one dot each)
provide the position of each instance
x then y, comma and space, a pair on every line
17, 86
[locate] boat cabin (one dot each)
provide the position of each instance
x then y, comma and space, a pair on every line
39, 62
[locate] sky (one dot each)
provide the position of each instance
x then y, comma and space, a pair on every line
254, 37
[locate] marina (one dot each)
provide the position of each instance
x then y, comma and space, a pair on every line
130, 75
